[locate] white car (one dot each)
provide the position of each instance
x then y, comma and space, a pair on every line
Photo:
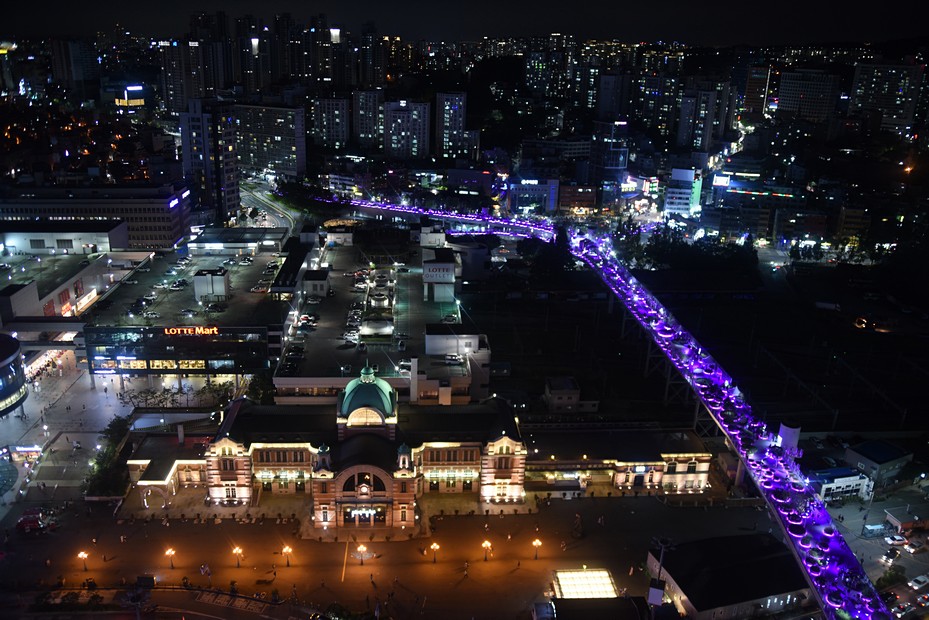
913, 546
160, 285
895, 540
918, 583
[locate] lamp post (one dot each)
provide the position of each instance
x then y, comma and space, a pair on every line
486, 545
170, 553
537, 543
83, 556
286, 551
361, 554
435, 547
238, 555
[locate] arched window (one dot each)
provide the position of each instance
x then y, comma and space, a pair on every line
692, 467
671, 467
365, 417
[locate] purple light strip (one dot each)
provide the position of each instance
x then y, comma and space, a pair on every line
831, 568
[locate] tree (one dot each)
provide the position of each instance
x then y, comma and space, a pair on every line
261, 388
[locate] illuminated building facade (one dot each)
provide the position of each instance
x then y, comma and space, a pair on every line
13, 391
157, 216
361, 467
220, 353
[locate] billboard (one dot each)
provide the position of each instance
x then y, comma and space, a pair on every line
439, 273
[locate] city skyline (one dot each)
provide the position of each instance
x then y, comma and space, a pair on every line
722, 25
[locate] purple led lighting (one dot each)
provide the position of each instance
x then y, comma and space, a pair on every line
843, 588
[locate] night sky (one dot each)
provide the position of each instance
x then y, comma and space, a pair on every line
723, 22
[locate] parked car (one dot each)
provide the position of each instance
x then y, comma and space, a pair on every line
918, 582
313, 299
896, 539
130, 281
151, 315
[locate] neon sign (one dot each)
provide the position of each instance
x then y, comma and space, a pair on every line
191, 331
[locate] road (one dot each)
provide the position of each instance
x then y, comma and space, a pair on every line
504, 586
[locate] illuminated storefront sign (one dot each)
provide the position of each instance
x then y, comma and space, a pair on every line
191, 331
439, 274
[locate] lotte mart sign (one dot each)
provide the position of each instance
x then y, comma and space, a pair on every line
191, 331
439, 273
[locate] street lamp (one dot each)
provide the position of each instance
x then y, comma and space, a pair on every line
286, 551
486, 545
170, 553
435, 547
537, 543
361, 553
238, 555
83, 556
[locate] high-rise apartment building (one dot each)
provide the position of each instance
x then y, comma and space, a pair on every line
808, 94
330, 123
368, 119
697, 112
271, 138
891, 90
210, 161
406, 129
451, 137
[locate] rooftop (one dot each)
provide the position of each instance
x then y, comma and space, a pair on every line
723, 571
628, 446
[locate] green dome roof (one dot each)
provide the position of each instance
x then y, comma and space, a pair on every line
368, 391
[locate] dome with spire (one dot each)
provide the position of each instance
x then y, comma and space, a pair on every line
370, 394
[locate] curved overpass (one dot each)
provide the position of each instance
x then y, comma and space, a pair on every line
842, 588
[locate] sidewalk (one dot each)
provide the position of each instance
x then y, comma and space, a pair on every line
61, 472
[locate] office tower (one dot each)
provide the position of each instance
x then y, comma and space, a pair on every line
609, 157
406, 129
271, 139
891, 90
210, 161
368, 119
75, 65
755, 101
682, 194
808, 94
330, 125
451, 138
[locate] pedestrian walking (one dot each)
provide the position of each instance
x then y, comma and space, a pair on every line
372, 577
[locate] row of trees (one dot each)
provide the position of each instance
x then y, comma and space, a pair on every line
210, 394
